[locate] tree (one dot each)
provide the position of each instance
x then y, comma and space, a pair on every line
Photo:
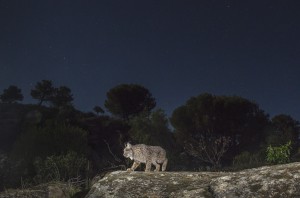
208, 115
282, 130
209, 150
106, 137
151, 130
43, 91
128, 100
98, 110
62, 97
11, 94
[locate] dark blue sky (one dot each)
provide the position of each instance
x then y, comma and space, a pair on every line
176, 49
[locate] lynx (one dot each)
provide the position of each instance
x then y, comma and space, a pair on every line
142, 153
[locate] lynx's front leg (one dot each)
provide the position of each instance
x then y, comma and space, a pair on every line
148, 166
157, 166
134, 166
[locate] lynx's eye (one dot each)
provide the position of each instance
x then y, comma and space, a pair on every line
126, 151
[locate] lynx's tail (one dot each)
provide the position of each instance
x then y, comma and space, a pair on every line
164, 166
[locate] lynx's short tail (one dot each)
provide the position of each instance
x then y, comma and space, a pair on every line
164, 166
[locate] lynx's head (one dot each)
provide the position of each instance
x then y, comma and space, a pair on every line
128, 152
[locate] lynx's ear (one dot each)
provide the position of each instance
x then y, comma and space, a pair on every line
128, 145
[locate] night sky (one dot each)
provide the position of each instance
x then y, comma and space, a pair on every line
176, 49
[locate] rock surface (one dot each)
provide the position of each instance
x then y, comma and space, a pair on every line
51, 190
268, 181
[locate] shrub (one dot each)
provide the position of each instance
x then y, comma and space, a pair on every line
296, 157
280, 154
209, 150
249, 160
45, 143
60, 167
50, 140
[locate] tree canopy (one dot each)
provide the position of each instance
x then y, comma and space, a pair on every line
98, 109
62, 96
208, 115
283, 128
43, 91
151, 130
127, 100
11, 94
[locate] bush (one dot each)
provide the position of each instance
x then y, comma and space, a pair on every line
47, 142
280, 154
50, 140
209, 149
60, 167
296, 157
248, 160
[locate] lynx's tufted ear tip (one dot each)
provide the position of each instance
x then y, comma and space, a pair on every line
127, 145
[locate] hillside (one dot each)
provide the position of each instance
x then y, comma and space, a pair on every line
11, 119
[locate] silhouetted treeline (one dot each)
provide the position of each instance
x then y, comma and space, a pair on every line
51, 140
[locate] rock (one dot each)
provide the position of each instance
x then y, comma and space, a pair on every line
51, 190
56, 191
268, 181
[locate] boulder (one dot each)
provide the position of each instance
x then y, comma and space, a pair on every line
50, 190
268, 181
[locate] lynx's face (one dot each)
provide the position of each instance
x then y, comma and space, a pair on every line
128, 153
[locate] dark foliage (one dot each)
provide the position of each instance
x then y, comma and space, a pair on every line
43, 91
11, 94
106, 139
127, 100
208, 115
98, 109
283, 128
62, 96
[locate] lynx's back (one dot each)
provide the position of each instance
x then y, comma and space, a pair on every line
143, 153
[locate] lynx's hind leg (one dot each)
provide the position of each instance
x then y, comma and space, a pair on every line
157, 166
164, 166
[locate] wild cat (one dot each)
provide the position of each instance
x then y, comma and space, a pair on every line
142, 153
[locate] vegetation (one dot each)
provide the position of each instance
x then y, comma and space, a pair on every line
208, 117
280, 154
60, 167
52, 141
249, 160
209, 150
43, 91
128, 100
11, 94
98, 110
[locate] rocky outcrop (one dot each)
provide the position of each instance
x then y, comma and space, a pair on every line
269, 181
50, 190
